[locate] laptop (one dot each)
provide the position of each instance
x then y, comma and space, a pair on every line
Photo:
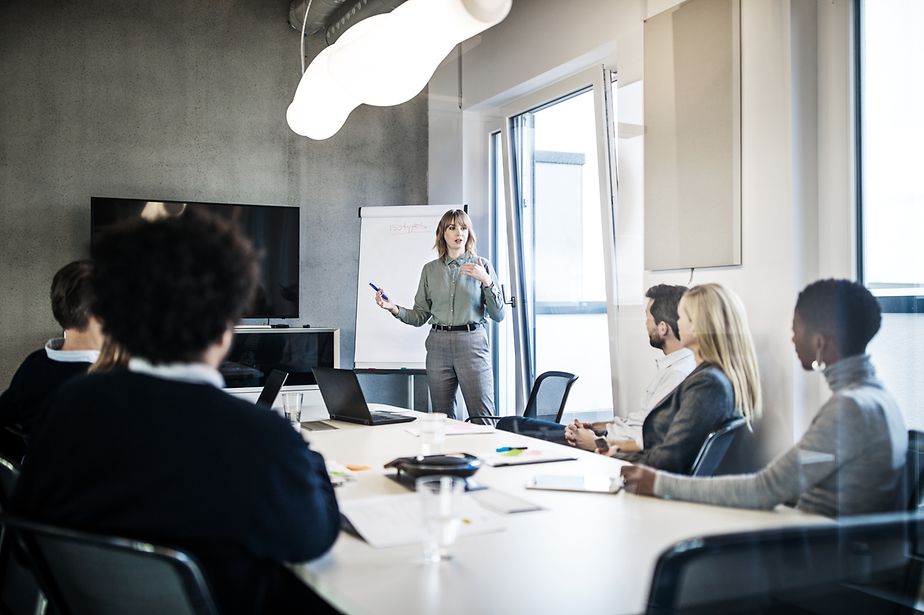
271, 388
345, 401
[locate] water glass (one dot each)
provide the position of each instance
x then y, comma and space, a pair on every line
432, 433
292, 407
440, 498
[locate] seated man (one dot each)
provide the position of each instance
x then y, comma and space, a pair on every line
158, 451
672, 368
61, 359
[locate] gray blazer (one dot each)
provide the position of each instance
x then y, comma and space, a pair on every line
677, 426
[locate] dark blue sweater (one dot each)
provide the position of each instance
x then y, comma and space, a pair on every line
37, 378
189, 466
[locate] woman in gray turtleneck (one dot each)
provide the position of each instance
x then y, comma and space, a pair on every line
851, 459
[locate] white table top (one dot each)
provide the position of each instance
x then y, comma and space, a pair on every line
585, 553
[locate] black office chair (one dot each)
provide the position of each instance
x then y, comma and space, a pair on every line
12, 441
857, 565
85, 573
914, 470
9, 474
19, 590
547, 398
715, 447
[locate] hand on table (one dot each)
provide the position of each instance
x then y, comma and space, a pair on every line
638, 479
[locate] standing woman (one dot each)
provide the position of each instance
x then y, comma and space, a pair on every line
456, 292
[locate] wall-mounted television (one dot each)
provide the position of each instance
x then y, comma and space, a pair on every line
274, 231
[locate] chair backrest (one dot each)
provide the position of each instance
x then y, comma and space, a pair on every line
858, 565
9, 474
914, 470
549, 395
87, 573
19, 590
12, 441
715, 447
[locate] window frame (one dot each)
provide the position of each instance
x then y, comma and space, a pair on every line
889, 304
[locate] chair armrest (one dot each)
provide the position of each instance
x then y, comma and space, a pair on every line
487, 417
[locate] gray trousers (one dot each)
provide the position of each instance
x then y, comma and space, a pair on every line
460, 358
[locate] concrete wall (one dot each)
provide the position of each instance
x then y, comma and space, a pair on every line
186, 100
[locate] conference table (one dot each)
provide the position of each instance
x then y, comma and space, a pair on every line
584, 552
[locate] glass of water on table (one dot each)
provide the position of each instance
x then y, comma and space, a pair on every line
440, 498
292, 407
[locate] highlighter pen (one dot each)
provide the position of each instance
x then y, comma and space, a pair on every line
376, 289
507, 449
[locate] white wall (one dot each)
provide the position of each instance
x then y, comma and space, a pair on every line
796, 171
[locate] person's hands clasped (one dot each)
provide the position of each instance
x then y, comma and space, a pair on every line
477, 270
385, 304
638, 479
581, 435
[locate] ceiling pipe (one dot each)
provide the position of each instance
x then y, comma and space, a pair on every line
334, 17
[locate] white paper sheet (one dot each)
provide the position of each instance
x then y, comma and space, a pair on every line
393, 520
457, 428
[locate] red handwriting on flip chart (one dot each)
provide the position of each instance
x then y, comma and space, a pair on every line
407, 228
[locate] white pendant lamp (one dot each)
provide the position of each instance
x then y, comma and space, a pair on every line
385, 60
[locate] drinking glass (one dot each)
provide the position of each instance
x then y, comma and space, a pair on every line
432, 433
439, 498
292, 407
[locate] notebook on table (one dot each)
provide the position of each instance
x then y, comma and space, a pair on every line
345, 401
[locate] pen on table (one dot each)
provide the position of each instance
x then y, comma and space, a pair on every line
507, 449
377, 289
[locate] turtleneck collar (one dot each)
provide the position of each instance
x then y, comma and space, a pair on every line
857, 369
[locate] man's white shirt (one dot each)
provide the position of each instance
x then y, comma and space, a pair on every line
671, 371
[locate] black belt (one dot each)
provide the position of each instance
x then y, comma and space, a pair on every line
469, 327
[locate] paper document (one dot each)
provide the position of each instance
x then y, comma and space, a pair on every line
393, 520
457, 428
522, 457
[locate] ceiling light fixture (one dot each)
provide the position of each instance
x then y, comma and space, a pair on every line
385, 60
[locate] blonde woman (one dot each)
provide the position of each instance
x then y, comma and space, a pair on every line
724, 385
456, 292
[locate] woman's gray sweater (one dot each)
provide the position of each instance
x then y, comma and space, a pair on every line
850, 461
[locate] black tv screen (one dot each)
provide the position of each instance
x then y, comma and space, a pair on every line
273, 231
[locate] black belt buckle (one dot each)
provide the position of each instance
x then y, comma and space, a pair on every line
469, 327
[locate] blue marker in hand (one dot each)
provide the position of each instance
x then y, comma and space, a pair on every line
377, 289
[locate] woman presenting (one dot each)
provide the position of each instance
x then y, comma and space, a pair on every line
456, 292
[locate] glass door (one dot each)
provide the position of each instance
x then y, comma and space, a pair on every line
562, 215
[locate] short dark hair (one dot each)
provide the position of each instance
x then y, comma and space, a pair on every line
844, 309
167, 289
664, 300
72, 295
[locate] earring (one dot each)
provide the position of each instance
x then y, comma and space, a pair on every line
818, 365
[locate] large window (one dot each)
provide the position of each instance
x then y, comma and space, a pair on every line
560, 219
563, 249
892, 99
891, 195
